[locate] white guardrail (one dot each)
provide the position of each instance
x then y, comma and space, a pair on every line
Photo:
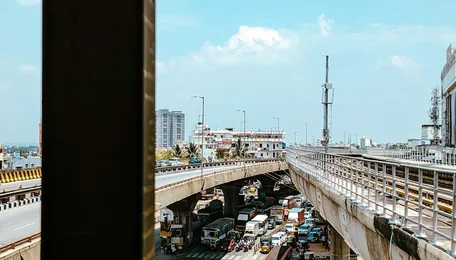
418, 198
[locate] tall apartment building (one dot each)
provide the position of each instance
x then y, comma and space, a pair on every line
170, 127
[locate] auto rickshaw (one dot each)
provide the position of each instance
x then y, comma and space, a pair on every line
266, 243
290, 240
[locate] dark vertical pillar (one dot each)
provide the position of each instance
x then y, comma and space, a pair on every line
230, 197
97, 66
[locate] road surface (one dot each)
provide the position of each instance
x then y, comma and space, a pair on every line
19, 223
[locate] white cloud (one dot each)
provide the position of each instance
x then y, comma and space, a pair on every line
174, 21
29, 2
248, 45
28, 69
402, 63
325, 25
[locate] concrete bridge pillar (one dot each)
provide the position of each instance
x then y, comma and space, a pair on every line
339, 250
182, 211
232, 200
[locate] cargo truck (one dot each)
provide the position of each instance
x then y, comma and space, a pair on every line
216, 231
296, 216
244, 216
277, 211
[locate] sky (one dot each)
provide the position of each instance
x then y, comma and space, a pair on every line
265, 57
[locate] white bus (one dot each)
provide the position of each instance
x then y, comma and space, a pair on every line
263, 221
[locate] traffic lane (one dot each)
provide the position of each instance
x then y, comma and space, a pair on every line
15, 185
163, 180
19, 223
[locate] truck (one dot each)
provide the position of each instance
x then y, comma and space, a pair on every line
216, 231
263, 223
244, 216
296, 216
277, 211
252, 228
211, 213
264, 206
177, 236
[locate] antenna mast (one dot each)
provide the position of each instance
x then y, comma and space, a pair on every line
326, 102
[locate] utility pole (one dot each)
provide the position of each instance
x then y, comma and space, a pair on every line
243, 146
326, 102
202, 140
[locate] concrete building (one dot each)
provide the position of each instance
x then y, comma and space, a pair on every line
260, 144
448, 77
170, 128
427, 132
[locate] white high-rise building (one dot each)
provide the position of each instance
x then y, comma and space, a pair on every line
170, 128
259, 144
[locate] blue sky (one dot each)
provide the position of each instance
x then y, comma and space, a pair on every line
264, 57
20, 70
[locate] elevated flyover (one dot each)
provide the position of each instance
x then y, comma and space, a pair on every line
381, 210
174, 187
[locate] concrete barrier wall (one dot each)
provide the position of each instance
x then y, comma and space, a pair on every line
365, 232
171, 193
20, 175
27, 251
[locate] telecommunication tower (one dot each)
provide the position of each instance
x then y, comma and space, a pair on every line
327, 101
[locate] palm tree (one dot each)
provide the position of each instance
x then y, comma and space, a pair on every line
177, 151
238, 149
192, 150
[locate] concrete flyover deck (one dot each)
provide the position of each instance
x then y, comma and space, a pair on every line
360, 216
191, 183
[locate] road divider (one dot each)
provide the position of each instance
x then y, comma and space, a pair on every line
20, 175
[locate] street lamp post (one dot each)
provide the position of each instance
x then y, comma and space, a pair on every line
278, 123
243, 146
202, 138
306, 132
295, 137
344, 137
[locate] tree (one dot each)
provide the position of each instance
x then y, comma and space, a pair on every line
434, 114
177, 151
238, 149
192, 150
164, 154
221, 153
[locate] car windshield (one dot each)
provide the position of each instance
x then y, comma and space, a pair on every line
226, 242
275, 238
288, 226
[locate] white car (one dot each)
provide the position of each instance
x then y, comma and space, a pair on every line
278, 239
290, 227
176, 162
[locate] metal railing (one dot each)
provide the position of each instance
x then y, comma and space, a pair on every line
417, 198
13, 245
171, 169
429, 155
